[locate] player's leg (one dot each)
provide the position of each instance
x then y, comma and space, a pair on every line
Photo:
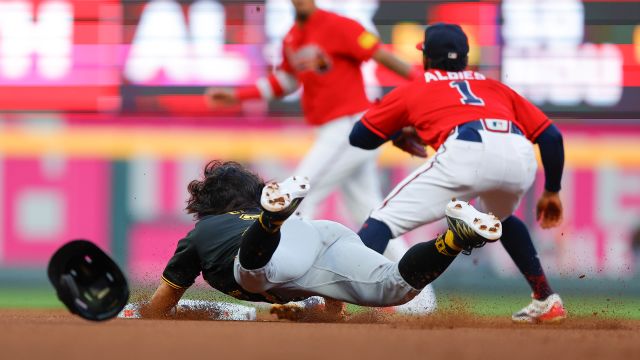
362, 194
367, 278
362, 191
272, 251
331, 162
422, 196
516, 240
515, 236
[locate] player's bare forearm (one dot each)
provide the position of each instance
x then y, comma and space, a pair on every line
220, 97
274, 86
393, 63
163, 300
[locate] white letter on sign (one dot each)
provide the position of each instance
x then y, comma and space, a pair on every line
186, 53
50, 37
161, 43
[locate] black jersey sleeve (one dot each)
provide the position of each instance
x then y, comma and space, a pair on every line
184, 267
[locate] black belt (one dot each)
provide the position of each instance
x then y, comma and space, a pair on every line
469, 130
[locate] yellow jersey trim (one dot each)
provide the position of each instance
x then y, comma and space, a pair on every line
175, 286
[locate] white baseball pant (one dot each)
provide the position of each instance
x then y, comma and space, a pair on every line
333, 163
498, 171
324, 258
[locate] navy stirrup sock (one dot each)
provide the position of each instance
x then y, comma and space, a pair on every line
424, 262
517, 241
375, 235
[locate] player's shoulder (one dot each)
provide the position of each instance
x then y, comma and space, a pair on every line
227, 220
330, 15
290, 36
498, 85
336, 19
401, 93
247, 214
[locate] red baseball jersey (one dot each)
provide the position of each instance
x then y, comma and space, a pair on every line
441, 100
325, 54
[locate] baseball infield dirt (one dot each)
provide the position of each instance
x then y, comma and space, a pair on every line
54, 334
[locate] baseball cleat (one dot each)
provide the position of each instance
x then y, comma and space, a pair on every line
277, 197
549, 310
424, 303
472, 228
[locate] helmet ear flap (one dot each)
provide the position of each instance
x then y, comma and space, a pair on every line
67, 291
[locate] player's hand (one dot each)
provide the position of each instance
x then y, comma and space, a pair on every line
217, 97
410, 142
549, 210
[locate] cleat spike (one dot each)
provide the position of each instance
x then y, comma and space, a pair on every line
277, 197
493, 229
470, 226
453, 199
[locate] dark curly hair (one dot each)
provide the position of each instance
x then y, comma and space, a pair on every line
226, 186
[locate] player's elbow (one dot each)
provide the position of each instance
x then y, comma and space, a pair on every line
361, 143
364, 138
551, 135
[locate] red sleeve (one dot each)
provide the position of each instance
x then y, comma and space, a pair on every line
389, 115
248, 93
531, 119
276, 88
356, 41
284, 65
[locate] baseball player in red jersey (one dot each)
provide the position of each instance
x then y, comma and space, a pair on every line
323, 52
483, 133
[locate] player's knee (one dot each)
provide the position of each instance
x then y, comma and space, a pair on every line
513, 222
254, 281
514, 231
375, 234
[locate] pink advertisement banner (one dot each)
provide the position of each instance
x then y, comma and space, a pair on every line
49, 199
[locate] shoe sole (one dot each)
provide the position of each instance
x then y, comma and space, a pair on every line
542, 320
554, 320
486, 225
278, 196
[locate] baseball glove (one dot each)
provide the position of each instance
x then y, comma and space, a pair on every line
409, 141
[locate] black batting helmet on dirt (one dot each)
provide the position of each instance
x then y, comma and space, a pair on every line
87, 281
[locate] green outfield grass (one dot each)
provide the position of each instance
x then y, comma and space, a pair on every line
37, 298
483, 304
577, 305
